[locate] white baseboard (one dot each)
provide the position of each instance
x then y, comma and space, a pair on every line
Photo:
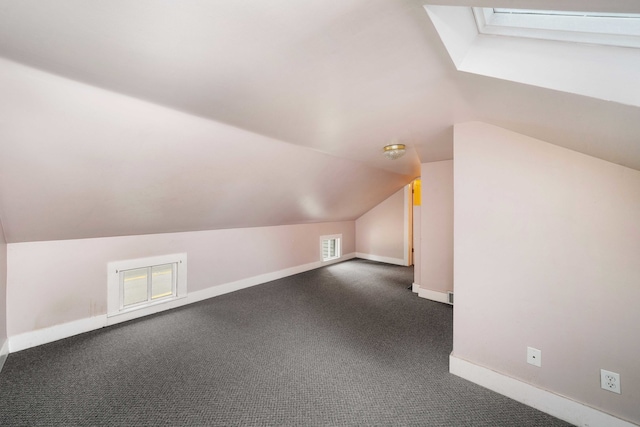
415, 288
388, 260
345, 257
66, 330
55, 333
215, 291
543, 400
433, 295
4, 352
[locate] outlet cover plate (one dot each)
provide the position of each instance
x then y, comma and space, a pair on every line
610, 381
534, 356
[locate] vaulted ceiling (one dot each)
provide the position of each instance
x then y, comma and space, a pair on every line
151, 116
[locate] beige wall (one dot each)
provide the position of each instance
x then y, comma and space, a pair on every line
56, 282
436, 227
547, 255
380, 233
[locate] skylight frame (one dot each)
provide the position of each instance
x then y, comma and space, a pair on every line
622, 30
565, 13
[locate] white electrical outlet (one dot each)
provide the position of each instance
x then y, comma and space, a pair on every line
610, 381
534, 356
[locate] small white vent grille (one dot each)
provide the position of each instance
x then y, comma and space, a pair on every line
330, 247
139, 284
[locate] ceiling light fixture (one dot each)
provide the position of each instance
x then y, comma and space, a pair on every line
394, 151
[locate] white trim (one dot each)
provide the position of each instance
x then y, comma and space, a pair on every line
346, 257
415, 288
602, 30
113, 285
407, 224
433, 295
553, 404
4, 352
55, 333
545, 63
378, 258
66, 330
147, 311
338, 239
226, 288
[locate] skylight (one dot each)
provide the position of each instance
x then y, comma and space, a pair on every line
567, 60
614, 29
565, 13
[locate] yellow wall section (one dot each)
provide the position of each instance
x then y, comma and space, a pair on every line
417, 198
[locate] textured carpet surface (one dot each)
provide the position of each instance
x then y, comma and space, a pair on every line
347, 344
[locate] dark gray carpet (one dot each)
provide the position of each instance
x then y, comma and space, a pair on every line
346, 344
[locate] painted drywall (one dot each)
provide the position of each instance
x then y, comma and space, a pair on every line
547, 255
417, 245
3, 296
380, 233
436, 227
56, 282
549, 64
80, 162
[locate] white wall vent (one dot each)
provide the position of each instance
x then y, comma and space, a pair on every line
330, 247
141, 284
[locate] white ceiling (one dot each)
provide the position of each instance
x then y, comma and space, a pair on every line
342, 77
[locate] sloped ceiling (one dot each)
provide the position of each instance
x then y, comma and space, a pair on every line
125, 117
85, 162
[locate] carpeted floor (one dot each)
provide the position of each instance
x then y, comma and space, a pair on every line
346, 344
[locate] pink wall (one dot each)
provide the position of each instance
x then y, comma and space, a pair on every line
436, 252
3, 287
55, 282
417, 246
118, 166
380, 233
547, 255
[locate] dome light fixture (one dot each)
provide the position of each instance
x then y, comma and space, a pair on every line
394, 151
